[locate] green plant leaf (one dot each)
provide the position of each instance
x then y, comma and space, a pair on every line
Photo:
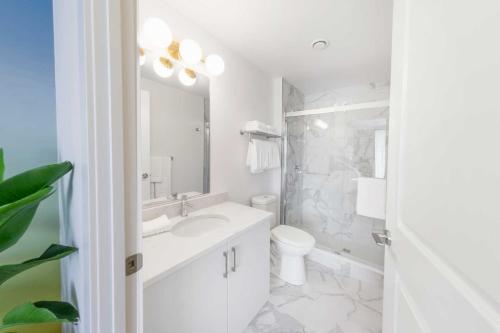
53, 252
40, 312
31, 181
2, 165
16, 217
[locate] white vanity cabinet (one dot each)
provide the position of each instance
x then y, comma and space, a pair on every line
219, 292
248, 280
190, 300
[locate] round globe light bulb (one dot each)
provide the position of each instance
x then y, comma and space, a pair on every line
142, 59
155, 34
190, 51
215, 65
185, 78
161, 69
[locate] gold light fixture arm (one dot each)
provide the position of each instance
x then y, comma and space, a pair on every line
190, 73
173, 50
165, 62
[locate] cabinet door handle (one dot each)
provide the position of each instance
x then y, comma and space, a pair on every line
233, 249
225, 264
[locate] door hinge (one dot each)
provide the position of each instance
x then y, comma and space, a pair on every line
133, 264
382, 238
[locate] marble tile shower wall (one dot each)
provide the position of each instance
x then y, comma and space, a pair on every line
348, 95
326, 153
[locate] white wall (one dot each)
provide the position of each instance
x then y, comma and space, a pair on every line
175, 114
242, 93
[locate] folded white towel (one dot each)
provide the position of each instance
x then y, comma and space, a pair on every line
254, 158
262, 155
371, 197
262, 149
156, 226
274, 155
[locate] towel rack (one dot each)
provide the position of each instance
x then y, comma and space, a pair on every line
260, 133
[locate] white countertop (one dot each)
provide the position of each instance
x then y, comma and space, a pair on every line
165, 253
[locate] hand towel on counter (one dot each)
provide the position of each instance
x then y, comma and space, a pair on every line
155, 200
156, 226
188, 194
371, 197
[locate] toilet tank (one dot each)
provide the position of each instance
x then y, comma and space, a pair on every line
267, 202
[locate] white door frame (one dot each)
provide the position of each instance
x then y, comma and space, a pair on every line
96, 101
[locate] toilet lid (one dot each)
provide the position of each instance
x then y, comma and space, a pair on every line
293, 236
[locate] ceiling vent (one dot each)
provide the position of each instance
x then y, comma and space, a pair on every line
319, 44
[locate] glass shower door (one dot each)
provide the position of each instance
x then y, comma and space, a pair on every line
325, 156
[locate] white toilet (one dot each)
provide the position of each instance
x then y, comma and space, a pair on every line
288, 244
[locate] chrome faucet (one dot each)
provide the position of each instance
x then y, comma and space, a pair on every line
184, 205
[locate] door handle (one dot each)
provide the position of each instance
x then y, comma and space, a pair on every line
233, 249
382, 238
225, 265
145, 175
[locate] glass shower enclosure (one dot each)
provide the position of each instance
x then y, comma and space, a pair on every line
325, 154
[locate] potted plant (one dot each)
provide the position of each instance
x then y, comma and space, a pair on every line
20, 197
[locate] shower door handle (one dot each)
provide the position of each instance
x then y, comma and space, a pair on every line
382, 238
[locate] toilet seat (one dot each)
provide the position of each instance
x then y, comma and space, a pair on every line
292, 236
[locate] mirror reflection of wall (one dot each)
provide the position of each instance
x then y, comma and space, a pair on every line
380, 152
175, 139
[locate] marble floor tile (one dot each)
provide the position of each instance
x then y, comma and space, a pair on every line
329, 303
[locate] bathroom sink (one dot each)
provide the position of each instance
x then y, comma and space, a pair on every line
196, 226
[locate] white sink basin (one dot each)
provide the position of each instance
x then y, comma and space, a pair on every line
196, 226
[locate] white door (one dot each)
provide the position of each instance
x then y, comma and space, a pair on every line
248, 280
190, 300
145, 137
443, 267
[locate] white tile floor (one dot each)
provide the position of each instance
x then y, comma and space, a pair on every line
329, 303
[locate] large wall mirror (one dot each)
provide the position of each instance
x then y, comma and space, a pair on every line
174, 129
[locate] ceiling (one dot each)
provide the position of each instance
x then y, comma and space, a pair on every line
276, 36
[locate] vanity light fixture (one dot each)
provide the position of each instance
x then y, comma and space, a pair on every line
155, 34
215, 64
190, 51
163, 67
187, 77
142, 56
156, 39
